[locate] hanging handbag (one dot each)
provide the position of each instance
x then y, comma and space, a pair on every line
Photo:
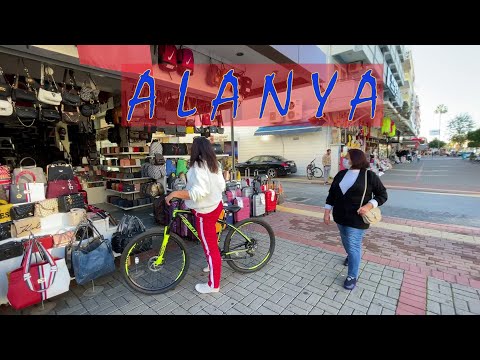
5, 211
70, 117
37, 172
23, 211
45, 240
32, 283
50, 115
90, 109
89, 91
28, 94
5, 88
63, 238
66, 203
5, 231
25, 227
128, 227
5, 177
59, 170
11, 250
46, 207
25, 113
91, 258
6, 107
59, 188
76, 216
374, 215
52, 96
70, 97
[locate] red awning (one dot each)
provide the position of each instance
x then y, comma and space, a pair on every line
112, 57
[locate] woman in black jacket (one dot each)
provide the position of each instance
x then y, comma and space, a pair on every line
344, 198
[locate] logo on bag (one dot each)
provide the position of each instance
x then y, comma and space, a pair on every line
19, 196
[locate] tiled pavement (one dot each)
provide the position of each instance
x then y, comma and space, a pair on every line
401, 273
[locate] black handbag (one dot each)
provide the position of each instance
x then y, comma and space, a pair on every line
90, 109
221, 130
50, 115
59, 170
5, 232
5, 88
11, 250
170, 130
213, 129
68, 202
217, 148
181, 130
70, 97
26, 113
22, 211
27, 94
127, 228
174, 149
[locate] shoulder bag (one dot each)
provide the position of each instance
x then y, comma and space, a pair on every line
25, 227
52, 96
5, 177
5, 233
69, 202
127, 228
28, 94
34, 169
23, 211
46, 207
26, 192
59, 188
6, 107
70, 97
59, 170
374, 215
63, 238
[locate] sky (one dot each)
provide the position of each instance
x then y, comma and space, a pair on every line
450, 75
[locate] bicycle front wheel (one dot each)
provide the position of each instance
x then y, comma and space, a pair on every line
139, 268
317, 172
309, 173
250, 246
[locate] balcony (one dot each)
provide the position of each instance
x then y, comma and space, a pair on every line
346, 54
401, 52
395, 64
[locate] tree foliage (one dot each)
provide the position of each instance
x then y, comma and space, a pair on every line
461, 124
436, 144
474, 138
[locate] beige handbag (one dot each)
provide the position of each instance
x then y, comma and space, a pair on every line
75, 216
374, 215
25, 227
63, 239
46, 207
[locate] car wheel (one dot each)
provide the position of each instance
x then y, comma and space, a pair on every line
272, 173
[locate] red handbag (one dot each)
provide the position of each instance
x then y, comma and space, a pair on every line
46, 241
28, 284
61, 188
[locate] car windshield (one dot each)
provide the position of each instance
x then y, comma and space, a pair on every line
279, 158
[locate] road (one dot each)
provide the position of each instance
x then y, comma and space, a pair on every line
440, 190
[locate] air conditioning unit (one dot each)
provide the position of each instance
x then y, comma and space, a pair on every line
294, 110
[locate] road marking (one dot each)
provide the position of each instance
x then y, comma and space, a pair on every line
416, 175
402, 187
451, 194
414, 170
419, 173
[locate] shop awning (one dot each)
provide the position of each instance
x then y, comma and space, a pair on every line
287, 129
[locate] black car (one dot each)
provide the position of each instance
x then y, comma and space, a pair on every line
272, 165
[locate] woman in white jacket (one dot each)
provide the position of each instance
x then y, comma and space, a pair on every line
205, 185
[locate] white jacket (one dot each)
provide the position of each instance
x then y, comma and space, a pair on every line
205, 188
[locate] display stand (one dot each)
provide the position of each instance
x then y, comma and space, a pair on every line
94, 291
42, 308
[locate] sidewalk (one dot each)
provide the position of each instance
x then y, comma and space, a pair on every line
407, 268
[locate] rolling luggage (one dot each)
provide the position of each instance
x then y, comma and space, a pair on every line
231, 195
258, 204
244, 213
270, 201
247, 192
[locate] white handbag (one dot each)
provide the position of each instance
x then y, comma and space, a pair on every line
61, 282
36, 190
46, 96
76, 216
6, 108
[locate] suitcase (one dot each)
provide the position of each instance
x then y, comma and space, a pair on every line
231, 195
247, 192
258, 204
238, 192
270, 201
244, 213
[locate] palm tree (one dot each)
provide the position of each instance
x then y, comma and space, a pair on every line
441, 109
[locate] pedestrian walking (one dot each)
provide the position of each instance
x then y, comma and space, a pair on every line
343, 201
327, 165
204, 196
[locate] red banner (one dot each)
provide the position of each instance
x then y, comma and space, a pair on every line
112, 57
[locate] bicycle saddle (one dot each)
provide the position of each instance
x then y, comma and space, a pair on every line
232, 208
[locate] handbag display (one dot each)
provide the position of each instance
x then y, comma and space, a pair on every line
50, 115
38, 174
45, 240
6, 107
25, 227
89, 91
5, 177
25, 193
70, 97
59, 188
32, 283
5, 211
69, 202
46, 207
92, 257
11, 250
23, 211
128, 227
70, 117
63, 238
374, 215
59, 170
89, 109
28, 94
52, 96
5, 88
76, 216
5, 230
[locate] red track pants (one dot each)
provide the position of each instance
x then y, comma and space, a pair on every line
205, 224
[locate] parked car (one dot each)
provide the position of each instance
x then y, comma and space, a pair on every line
272, 165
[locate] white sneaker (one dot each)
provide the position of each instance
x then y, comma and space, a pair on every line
205, 289
206, 269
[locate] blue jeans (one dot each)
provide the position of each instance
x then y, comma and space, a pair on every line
352, 242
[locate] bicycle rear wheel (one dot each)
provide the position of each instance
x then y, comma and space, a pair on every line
250, 246
138, 263
309, 173
317, 172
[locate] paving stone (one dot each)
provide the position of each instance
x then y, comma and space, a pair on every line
327, 308
138, 310
433, 307
447, 310
374, 310
287, 312
302, 305
245, 310
472, 295
460, 304
386, 299
335, 304
313, 299
346, 310
255, 304
474, 306
367, 295
386, 311
357, 300
356, 306
316, 311
247, 300
297, 310
285, 300
150, 311
393, 293
359, 312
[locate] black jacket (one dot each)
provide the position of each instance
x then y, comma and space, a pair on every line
345, 206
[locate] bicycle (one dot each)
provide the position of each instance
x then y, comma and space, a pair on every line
155, 261
314, 171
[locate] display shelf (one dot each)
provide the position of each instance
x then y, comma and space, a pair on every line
131, 208
122, 167
134, 179
124, 192
188, 156
94, 182
126, 153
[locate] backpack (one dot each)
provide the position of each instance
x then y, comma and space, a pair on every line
185, 60
160, 210
181, 166
167, 57
170, 167
156, 147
